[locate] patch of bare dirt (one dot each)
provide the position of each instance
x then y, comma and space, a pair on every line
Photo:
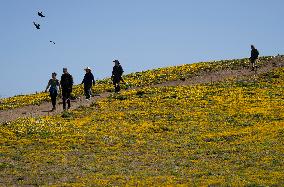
221, 75
45, 109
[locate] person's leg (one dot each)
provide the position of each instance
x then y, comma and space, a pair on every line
253, 64
88, 93
118, 86
68, 99
114, 82
64, 99
91, 92
53, 96
53, 100
87, 89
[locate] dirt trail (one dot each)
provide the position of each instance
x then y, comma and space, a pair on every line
44, 109
221, 75
208, 77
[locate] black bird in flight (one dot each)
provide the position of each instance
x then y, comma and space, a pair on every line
52, 42
40, 14
37, 25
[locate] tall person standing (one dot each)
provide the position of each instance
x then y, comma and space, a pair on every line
88, 82
253, 57
116, 77
66, 83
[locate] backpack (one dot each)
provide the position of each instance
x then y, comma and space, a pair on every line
256, 52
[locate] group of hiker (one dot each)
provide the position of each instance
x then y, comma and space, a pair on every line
66, 82
64, 86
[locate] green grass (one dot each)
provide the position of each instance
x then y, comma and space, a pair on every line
223, 134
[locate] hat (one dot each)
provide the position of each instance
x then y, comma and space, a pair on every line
64, 69
87, 68
116, 61
54, 73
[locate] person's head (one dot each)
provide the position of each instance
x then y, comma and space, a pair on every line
87, 69
252, 47
65, 70
116, 62
53, 75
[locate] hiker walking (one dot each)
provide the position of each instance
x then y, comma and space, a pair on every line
88, 81
54, 89
253, 57
117, 75
66, 83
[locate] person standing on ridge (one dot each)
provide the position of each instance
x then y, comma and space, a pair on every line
253, 57
117, 75
88, 82
54, 89
66, 83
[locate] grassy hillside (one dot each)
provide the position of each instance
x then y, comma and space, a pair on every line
228, 133
138, 79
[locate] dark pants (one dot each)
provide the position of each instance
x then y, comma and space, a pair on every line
253, 63
66, 93
88, 90
116, 83
53, 96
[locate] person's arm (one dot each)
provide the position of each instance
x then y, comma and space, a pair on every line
112, 73
59, 91
83, 80
72, 82
60, 82
59, 88
120, 70
48, 84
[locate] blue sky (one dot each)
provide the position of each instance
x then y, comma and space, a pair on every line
142, 34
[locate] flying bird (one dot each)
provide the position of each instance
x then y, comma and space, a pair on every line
40, 14
37, 25
52, 42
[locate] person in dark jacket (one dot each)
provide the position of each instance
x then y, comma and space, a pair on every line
88, 81
253, 57
117, 75
54, 89
66, 83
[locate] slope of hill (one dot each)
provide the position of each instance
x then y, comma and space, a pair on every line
223, 133
140, 79
36, 105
